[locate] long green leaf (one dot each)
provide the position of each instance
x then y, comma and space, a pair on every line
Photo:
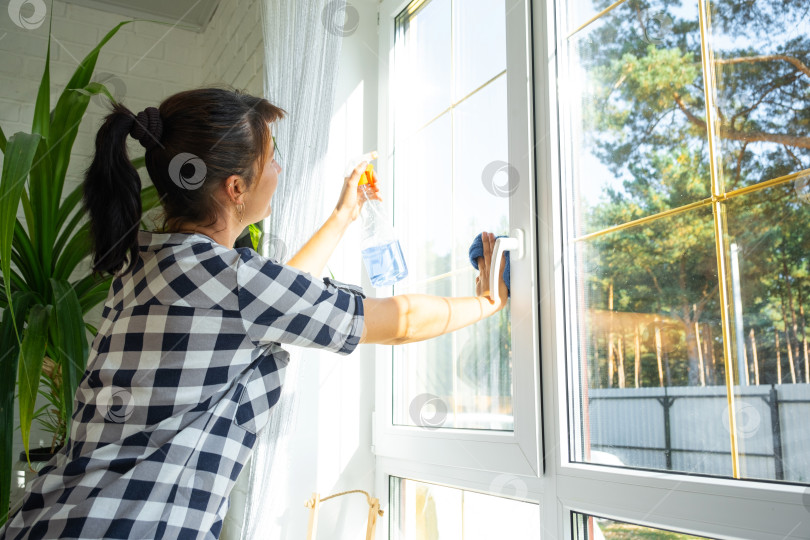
19, 284
42, 109
62, 241
32, 351
84, 284
16, 165
90, 283
3, 141
48, 181
255, 236
68, 205
30, 222
76, 249
149, 198
70, 109
8, 378
40, 184
67, 230
95, 296
30, 259
71, 343
26, 272
96, 88
40, 187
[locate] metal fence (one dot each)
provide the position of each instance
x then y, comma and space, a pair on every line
686, 429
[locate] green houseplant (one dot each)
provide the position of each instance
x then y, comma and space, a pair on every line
43, 319
43, 340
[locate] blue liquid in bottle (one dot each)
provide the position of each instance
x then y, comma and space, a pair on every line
385, 263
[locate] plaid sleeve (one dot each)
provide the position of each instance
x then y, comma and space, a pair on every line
282, 304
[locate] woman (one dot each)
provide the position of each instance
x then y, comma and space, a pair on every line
187, 363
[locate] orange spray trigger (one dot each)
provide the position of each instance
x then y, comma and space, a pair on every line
368, 176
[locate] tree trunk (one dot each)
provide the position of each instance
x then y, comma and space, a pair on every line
793, 321
610, 336
804, 336
700, 354
788, 344
658, 356
778, 357
692, 352
637, 365
756, 361
714, 359
790, 358
745, 363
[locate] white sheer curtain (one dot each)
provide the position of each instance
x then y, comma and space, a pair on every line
302, 42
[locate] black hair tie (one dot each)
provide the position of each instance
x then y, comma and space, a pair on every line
147, 127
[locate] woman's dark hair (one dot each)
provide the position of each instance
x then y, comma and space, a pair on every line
199, 138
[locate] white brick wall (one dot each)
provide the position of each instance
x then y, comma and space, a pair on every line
233, 51
140, 55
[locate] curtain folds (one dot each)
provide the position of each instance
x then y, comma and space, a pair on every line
302, 50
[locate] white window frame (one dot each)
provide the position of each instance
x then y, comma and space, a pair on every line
515, 452
700, 505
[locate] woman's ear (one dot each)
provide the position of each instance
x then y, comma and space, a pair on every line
235, 187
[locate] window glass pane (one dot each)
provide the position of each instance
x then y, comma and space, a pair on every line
646, 325
424, 186
634, 78
762, 67
482, 181
648, 382
479, 43
423, 66
423, 373
458, 380
769, 244
453, 181
423, 511
596, 528
483, 375
580, 12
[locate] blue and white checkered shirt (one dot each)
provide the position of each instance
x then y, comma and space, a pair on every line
182, 375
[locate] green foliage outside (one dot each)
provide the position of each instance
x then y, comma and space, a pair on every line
643, 116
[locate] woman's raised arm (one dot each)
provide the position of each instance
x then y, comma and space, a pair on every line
407, 318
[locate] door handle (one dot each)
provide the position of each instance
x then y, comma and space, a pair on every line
514, 244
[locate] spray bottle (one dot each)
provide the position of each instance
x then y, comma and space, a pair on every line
381, 250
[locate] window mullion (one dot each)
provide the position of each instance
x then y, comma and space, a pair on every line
720, 231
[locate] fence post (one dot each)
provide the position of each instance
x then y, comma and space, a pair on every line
776, 433
666, 403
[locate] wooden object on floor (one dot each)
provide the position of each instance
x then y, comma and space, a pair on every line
314, 504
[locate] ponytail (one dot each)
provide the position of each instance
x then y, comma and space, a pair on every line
112, 187
226, 132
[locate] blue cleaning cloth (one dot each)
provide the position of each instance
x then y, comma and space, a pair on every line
477, 250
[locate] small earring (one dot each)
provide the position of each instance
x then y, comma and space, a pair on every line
241, 212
